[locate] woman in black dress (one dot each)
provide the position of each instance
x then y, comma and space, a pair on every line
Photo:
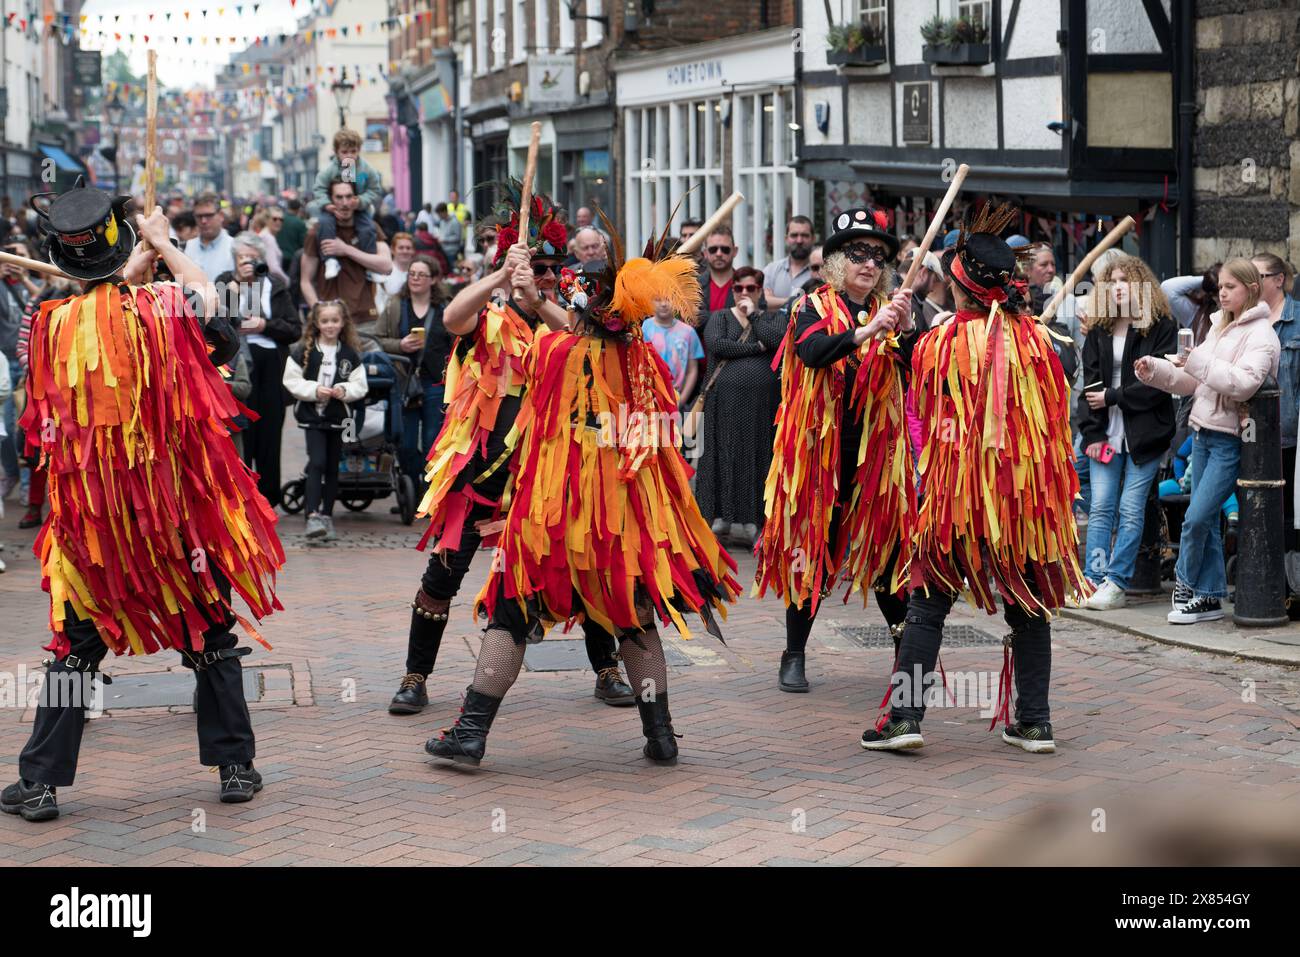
739, 411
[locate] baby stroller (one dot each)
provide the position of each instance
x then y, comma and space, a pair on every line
369, 467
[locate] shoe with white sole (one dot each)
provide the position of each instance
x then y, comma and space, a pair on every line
1034, 738
895, 735
1107, 597
1182, 594
1200, 608
315, 527
719, 526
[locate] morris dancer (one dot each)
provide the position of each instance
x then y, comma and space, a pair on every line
153, 517
997, 489
603, 526
840, 500
469, 464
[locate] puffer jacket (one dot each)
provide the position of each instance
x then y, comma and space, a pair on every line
1224, 370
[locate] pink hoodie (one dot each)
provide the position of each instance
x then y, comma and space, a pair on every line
1224, 370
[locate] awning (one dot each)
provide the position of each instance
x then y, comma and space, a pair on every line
61, 159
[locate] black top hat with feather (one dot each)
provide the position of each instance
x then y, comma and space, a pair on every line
87, 232
981, 262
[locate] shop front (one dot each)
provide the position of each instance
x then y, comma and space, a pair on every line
701, 121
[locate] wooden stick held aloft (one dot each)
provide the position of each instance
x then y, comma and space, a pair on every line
526, 187
151, 136
936, 224
1111, 238
719, 217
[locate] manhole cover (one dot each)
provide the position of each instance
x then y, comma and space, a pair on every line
168, 689
954, 636
570, 654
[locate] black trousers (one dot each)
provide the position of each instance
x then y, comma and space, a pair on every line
442, 579
1031, 645
324, 449
262, 438
225, 728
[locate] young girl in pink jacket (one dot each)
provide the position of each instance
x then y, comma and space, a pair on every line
1238, 352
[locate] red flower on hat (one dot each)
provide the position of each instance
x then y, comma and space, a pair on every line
882, 218
555, 234
507, 236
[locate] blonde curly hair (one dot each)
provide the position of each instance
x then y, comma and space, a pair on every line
835, 270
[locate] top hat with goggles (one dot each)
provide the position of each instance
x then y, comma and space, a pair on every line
863, 222
87, 233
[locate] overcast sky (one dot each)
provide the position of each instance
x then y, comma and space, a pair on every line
184, 65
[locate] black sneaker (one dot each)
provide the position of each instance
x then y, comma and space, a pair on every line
896, 735
35, 802
239, 782
612, 689
1183, 594
1034, 738
1200, 608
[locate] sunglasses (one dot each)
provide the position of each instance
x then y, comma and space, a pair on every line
745, 287
863, 254
814, 267
719, 249
541, 269
1269, 275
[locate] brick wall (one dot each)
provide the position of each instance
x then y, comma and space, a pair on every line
1247, 144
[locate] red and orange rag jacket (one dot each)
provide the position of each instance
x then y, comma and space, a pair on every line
800, 556
146, 491
997, 467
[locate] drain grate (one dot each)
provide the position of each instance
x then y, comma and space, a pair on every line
168, 689
954, 636
570, 654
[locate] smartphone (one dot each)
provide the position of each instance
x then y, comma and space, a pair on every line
1186, 339
1106, 454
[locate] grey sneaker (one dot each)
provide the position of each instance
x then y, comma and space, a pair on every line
316, 526
330, 534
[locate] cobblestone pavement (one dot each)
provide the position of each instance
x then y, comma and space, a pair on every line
765, 777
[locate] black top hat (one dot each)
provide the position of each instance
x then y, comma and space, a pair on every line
862, 222
87, 234
981, 262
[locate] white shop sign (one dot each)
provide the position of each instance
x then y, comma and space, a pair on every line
707, 69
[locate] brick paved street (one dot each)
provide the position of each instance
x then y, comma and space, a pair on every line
564, 781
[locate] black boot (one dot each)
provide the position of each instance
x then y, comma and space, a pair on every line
791, 678
612, 689
657, 726
35, 802
239, 782
411, 697
465, 741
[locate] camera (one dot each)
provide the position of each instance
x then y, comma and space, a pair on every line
260, 268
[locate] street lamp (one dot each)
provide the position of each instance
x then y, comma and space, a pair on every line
343, 96
116, 112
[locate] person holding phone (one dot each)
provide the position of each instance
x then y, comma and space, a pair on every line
1125, 424
1240, 349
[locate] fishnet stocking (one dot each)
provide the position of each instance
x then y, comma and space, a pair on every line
647, 671
499, 660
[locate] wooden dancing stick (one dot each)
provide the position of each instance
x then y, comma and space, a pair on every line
723, 212
1111, 238
151, 136
35, 265
936, 224
526, 187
